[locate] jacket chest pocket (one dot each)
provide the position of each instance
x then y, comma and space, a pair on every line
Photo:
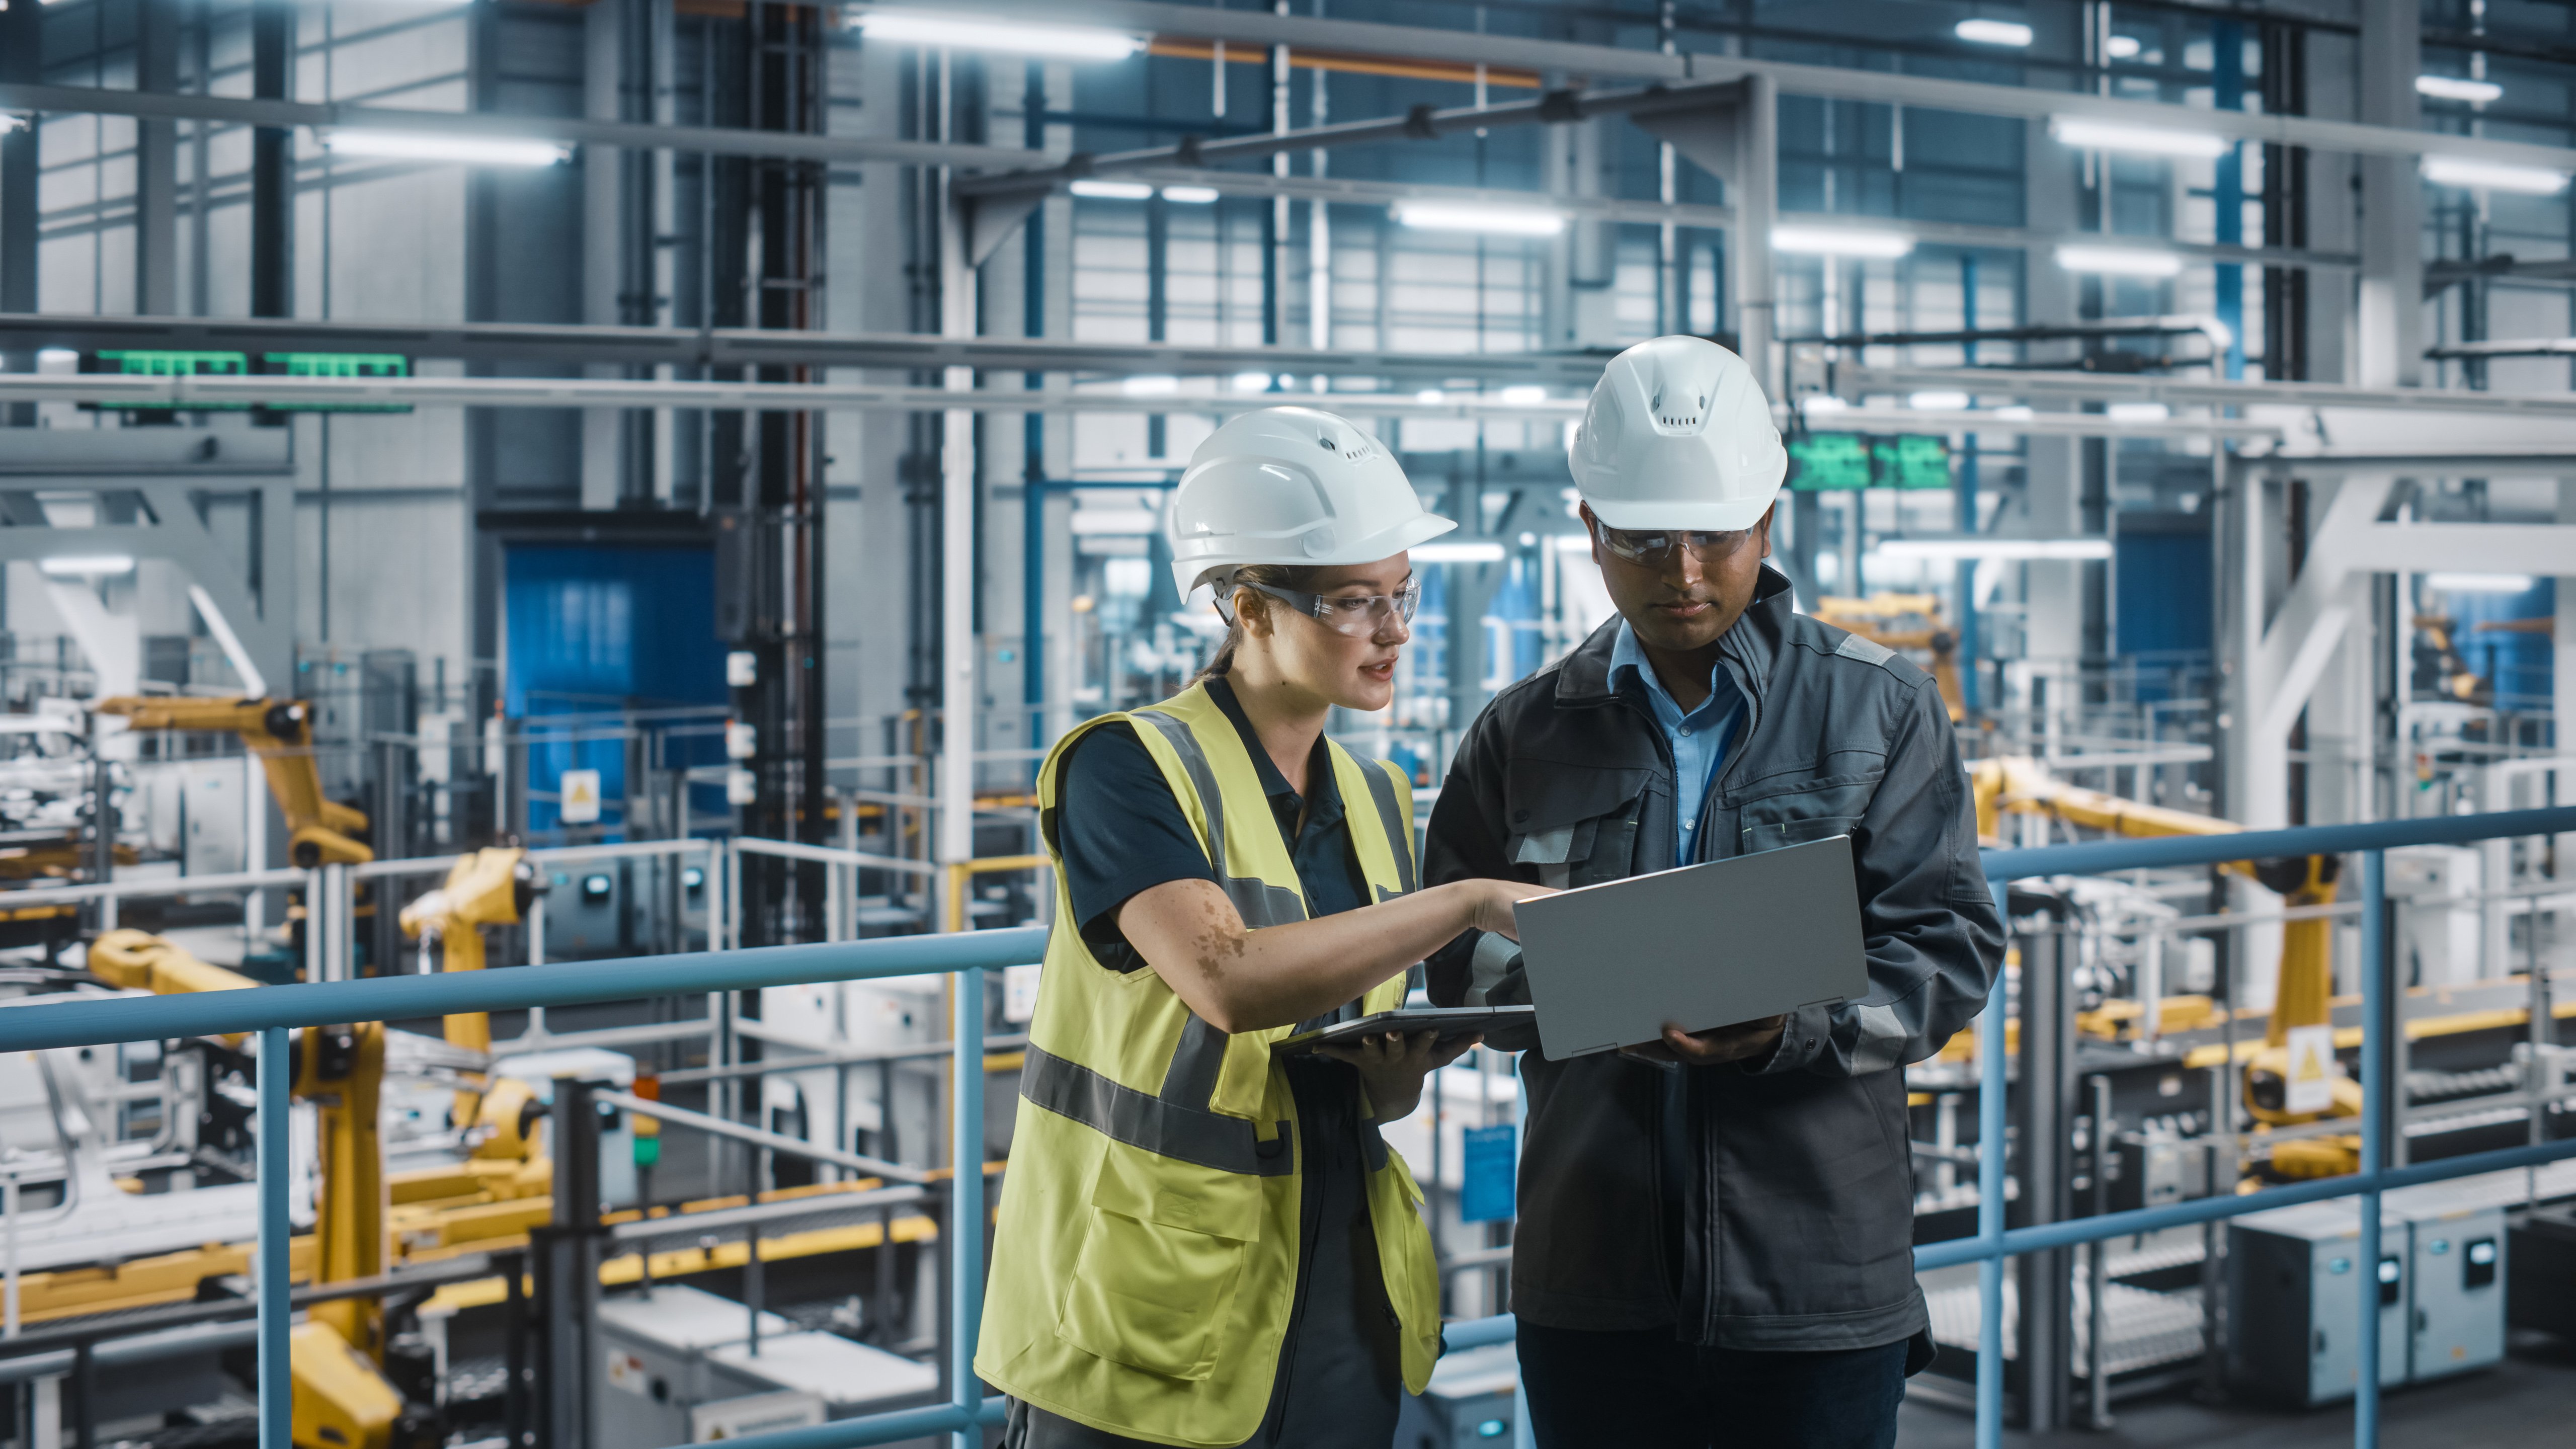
1807, 812
1573, 825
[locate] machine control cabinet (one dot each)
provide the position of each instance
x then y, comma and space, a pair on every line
2457, 1251
2294, 1277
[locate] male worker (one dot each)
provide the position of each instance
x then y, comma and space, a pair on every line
1715, 1232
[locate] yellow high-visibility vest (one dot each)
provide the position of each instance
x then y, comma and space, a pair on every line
1145, 1253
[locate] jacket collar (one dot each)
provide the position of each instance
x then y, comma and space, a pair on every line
1749, 649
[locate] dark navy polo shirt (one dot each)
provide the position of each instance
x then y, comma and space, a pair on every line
1121, 831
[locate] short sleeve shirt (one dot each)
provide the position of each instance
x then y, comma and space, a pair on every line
1121, 831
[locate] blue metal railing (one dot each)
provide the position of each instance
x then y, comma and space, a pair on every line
272, 1011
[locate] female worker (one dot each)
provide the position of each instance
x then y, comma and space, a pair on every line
1199, 1244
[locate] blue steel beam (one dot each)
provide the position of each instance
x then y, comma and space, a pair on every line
2096, 856
402, 998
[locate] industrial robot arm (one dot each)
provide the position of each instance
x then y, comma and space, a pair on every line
280, 733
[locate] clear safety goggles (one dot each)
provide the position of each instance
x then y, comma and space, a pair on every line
1655, 549
1361, 616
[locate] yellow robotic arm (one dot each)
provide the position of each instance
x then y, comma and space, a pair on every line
491, 887
342, 1400
280, 733
2304, 994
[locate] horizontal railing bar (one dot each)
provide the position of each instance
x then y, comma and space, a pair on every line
2200, 1210
2095, 856
680, 1225
831, 855
396, 998
775, 1142
869, 1429
166, 885
605, 850
1479, 1332
181, 1315
529, 1044
816, 1061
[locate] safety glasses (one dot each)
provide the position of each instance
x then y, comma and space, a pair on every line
1655, 549
1360, 616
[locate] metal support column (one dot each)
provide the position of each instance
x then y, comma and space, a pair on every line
2376, 1026
966, 1206
567, 1252
158, 30
276, 1244
2047, 1087
1992, 1134
1756, 197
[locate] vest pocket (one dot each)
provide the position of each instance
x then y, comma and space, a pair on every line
1161, 1256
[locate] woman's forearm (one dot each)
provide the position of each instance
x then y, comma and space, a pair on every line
1238, 979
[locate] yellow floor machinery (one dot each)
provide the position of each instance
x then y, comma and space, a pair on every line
342, 1398
2304, 993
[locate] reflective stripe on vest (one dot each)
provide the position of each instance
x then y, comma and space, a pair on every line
1167, 1126
1257, 901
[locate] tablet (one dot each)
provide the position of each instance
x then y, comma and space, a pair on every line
1705, 946
1452, 1022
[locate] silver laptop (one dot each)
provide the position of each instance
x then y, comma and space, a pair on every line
1706, 946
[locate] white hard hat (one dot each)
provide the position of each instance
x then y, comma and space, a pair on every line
1678, 435
1292, 486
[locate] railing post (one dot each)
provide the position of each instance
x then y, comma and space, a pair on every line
2374, 1142
276, 1243
966, 1209
1992, 1135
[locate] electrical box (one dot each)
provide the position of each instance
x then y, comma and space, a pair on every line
679, 1366
2159, 1167
2294, 1280
1467, 1404
2457, 1258
617, 1184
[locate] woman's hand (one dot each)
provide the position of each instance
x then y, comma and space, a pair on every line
1392, 1067
1491, 909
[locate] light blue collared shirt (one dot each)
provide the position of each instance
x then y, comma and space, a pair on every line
1698, 739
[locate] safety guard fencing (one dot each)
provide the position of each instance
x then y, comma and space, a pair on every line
271, 1012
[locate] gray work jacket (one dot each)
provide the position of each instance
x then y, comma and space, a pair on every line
1764, 1205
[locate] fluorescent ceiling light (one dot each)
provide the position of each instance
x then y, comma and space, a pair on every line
1938, 402
1993, 32
1190, 195
1841, 241
2123, 47
1150, 386
1459, 216
2493, 175
2119, 261
2458, 88
1822, 402
1114, 521
1071, 42
1423, 553
2137, 412
1523, 396
2480, 583
470, 150
1430, 397
2095, 135
2016, 412
1252, 382
1112, 190
87, 566
1955, 549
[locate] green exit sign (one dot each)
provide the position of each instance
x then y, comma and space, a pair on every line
135, 362
1845, 462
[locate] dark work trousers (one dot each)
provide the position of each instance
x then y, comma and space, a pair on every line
1339, 1384
1643, 1389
